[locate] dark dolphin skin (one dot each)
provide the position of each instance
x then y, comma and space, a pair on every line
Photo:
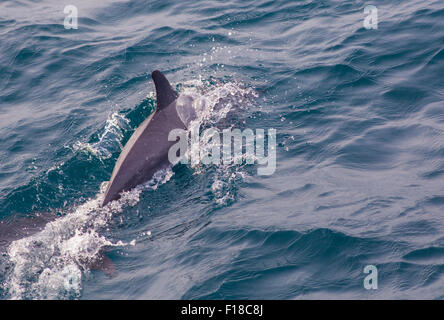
146, 152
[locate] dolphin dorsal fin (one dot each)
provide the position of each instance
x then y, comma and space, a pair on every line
164, 92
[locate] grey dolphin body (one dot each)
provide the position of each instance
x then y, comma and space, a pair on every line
146, 152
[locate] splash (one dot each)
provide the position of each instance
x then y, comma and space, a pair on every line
212, 104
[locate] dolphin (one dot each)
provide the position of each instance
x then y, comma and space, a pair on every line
146, 152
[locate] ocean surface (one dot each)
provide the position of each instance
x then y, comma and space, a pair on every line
359, 115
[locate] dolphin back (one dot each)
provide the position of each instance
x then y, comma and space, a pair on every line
146, 152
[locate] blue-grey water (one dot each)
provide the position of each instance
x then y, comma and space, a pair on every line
359, 115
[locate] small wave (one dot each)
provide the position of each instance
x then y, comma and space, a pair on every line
109, 140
